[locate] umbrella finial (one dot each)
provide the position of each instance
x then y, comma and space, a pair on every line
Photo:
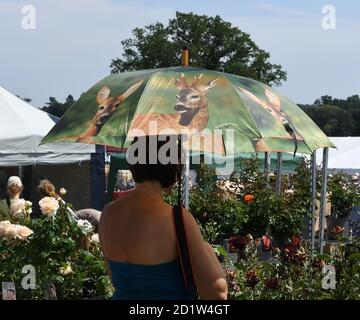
185, 56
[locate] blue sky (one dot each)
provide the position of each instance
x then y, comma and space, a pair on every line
75, 40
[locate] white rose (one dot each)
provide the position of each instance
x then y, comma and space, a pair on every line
22, 232
85, 225
49, 206
95, 238
17, 207
65, 270
7, 230
62, 191
4, 225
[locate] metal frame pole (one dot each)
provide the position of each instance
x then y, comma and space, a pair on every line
186, 189
278, 173
313, 201
267, 166
20, 172
323, 199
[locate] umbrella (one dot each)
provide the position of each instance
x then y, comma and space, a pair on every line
232, 114
224, 113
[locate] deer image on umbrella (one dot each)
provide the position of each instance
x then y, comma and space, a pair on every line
107, 107
191, 108
273, 106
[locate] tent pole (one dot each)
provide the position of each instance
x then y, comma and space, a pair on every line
313, 201
20, 172
323, 199
267, 167
278, 173
186, 189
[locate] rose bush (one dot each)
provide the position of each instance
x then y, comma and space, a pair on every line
64, 252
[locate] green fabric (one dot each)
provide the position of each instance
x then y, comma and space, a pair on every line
261, 118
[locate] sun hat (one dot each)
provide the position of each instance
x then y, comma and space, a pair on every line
14, 180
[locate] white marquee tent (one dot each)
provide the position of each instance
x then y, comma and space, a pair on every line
22, 127
345, 157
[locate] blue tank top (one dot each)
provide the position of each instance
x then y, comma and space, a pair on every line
148, 282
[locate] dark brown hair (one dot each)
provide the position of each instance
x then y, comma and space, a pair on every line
166, 174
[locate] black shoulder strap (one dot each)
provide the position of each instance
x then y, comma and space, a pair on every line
183, 250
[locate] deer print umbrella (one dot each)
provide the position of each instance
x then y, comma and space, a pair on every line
237, 114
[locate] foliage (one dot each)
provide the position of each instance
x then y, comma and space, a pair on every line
344, 194
230, 213
220, 216
282, 215
57, 108
336, 117
294, 274
213, 44
57, 244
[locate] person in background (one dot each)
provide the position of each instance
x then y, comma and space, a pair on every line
47, 189
14, 189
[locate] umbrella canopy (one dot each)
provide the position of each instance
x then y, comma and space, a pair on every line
186, 99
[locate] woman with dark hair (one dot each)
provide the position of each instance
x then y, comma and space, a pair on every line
139, 242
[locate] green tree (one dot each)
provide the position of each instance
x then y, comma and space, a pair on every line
28, 100
213, 44
336, 117
57, 108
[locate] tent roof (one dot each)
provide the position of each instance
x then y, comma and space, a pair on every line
345, 156
22, 126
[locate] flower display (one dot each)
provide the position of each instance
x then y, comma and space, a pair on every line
22, 232
94, 238
239, 243
232, 281
252, 279
20, 208
66, 270
62, 191
248, 198
49, 206
14, 231
16, 207
272, 283
85, 225
295, 256
337, 230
